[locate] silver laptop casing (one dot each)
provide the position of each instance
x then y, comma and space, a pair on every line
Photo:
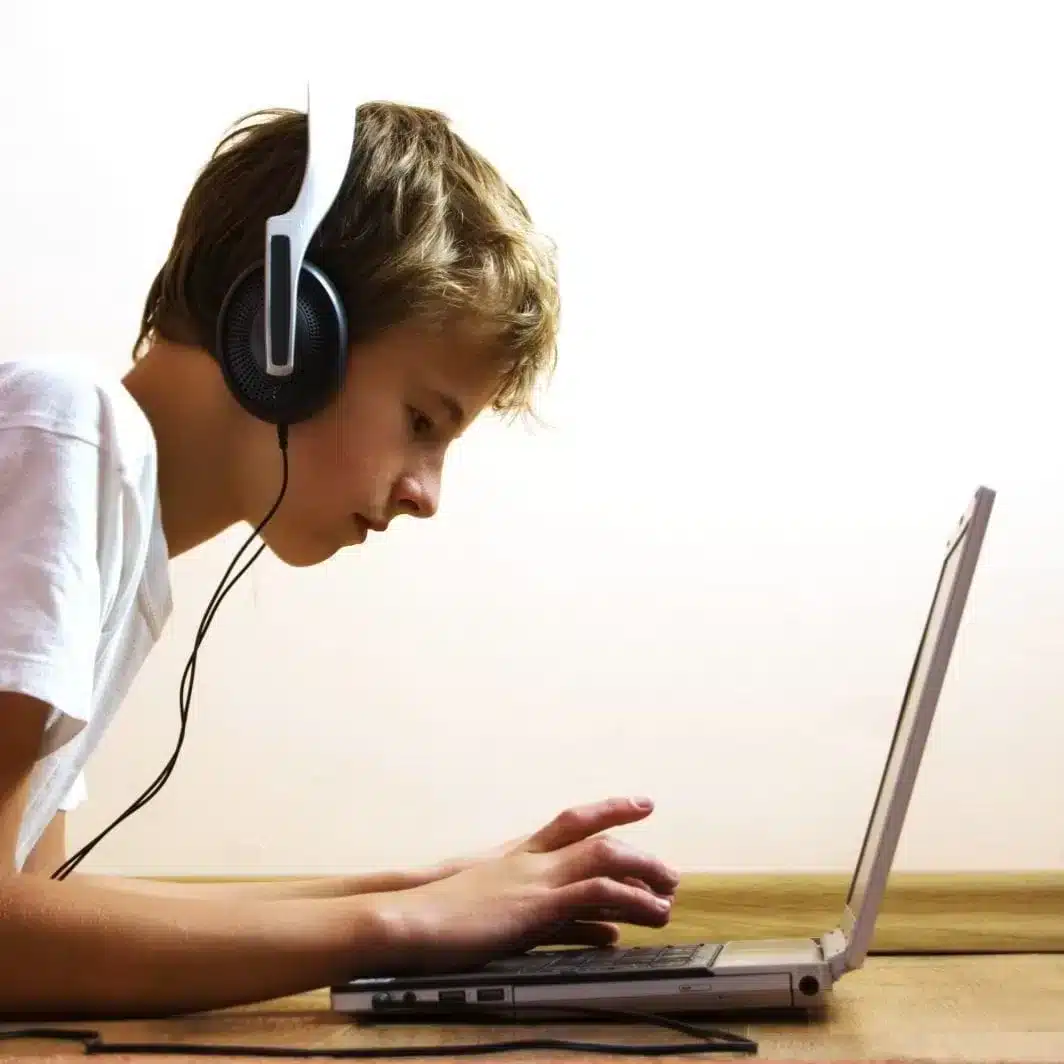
765, 974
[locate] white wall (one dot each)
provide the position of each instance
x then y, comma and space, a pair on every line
813, 275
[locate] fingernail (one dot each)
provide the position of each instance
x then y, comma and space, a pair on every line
642, 803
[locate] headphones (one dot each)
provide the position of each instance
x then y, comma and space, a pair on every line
282, 345
282, 332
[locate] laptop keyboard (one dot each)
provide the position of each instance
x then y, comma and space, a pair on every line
608, 960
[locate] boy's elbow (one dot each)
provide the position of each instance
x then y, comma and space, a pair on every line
50, 851
22, 721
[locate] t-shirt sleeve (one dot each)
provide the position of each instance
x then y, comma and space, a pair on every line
78, 793
49, 573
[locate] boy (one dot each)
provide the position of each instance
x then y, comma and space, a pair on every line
452, 301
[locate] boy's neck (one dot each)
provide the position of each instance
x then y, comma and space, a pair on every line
181, 391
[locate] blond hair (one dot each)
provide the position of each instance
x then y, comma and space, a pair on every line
423, 228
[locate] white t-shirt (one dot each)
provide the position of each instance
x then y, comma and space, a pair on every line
84, 565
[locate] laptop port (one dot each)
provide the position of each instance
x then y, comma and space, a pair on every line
452, 995
495, 993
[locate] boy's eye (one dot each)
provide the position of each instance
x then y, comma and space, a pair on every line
420, 422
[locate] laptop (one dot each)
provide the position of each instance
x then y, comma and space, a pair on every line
705, 977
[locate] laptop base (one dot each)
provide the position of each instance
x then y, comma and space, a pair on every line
768, 974
771, 974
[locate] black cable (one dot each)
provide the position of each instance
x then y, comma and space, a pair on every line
189, 675
706, 1040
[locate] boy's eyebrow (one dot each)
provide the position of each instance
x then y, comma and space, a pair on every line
454, 408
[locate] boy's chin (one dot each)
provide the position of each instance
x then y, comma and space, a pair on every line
303, 552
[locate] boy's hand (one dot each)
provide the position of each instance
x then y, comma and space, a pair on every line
564, 885
573, 825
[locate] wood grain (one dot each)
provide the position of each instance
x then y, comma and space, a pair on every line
950, 1009
921, 913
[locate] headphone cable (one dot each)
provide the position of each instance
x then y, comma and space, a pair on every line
189, 675
703, 1039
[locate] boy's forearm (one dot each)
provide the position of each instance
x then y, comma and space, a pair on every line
73, 949
264, 890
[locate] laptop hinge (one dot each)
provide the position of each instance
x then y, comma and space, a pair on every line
834, 946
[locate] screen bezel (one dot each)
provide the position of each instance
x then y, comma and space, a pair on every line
968, 541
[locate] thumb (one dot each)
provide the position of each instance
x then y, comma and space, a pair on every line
580, 822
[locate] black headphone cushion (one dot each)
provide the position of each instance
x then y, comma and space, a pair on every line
320, 348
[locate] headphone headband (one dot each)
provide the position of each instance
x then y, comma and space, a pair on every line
282, 330
330, 136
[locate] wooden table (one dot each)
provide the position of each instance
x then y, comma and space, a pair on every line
973, 1008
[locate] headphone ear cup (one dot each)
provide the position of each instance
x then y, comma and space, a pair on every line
320, 347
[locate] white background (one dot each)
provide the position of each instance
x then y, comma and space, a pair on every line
812, 261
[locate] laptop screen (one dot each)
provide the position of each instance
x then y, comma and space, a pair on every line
906, 718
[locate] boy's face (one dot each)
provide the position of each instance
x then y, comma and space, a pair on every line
377, 451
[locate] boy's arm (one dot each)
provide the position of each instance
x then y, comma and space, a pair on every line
74, 948
266, 890
71, 949
51, 851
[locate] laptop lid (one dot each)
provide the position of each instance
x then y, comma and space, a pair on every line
913, 724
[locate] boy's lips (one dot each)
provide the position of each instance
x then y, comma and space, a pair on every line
365, 526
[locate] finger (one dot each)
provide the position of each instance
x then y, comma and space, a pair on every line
588, 899
606, 856
581, 821
584, 933
670, 894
